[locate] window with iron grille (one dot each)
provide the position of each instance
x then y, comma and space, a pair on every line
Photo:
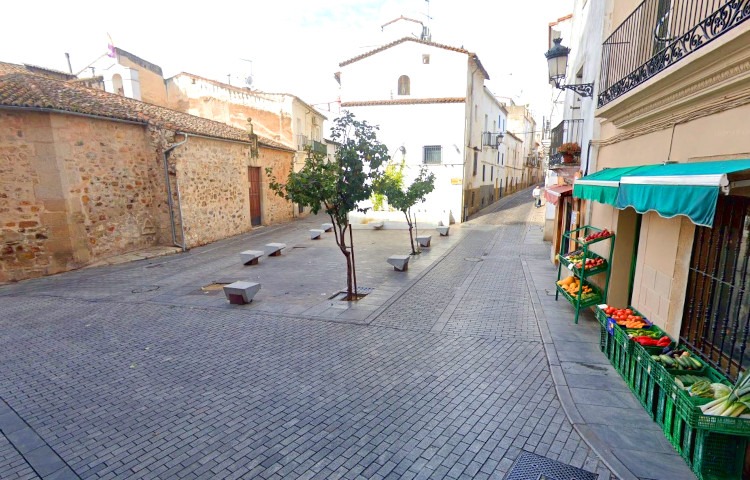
433, 154
716, 316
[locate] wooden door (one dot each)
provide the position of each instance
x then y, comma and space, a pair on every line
253, 177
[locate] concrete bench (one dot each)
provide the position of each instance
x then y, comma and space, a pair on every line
424, 240
328, 227
443, 230
250, 257
400, 262
240, 293
315, 234
378, 225
274, 249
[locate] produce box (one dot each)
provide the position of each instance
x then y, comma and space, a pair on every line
718, 456
688, 408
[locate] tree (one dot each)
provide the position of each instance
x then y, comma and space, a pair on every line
393, 171
402, 200
337, 187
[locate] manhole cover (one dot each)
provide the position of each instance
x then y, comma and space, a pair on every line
529, 466
145, 288
473, 259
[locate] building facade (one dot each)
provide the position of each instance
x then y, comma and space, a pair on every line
432, 107
682, 219
92, 175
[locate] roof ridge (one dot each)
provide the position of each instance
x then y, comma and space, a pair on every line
402, 40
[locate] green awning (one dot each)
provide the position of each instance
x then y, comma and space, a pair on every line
689, 189
602, 186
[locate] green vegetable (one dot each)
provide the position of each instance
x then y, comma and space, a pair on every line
733, 403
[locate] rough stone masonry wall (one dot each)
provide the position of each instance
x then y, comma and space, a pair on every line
75, 190
114, 183
24, 238
214, 186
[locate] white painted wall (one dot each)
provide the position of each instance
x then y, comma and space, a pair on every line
108, 68
376, 77
417, 126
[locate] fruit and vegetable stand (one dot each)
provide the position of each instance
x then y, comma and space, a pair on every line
583, 263
703, 415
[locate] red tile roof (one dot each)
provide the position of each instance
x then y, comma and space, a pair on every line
28, 91
404, 101
7, 68
416, 40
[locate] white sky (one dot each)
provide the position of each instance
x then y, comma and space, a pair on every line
295, 45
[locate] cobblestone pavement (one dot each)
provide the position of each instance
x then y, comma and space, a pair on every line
447, 381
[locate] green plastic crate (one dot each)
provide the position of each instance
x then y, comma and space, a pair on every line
717, 456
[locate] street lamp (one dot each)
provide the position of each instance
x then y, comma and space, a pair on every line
557, 63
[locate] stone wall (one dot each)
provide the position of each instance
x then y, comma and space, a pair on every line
214, 186
75, 190
78, 190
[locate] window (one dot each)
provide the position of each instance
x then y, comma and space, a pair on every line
483, 172
425, 59
502, 159
117, 86
404, 87
492, 173
433, 154
716, 315
476, 158
486, 122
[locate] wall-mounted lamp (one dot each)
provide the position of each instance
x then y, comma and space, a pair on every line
557, 63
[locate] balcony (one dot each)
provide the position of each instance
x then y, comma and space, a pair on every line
566, 131
492, 140
659, 34
304, 142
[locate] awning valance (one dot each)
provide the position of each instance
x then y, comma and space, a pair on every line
553, 194
602, 186
689, 189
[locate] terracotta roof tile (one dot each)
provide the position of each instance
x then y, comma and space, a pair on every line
404, 101
473, 56
23, 90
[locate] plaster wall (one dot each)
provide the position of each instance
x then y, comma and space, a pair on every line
417, 126
376, 77
151, 84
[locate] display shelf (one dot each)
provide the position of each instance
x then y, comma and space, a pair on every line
577, 236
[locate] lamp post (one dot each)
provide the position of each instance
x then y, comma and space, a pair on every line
557, 63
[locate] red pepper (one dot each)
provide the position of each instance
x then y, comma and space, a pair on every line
645, 341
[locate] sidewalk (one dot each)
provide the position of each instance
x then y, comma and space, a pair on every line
595, 398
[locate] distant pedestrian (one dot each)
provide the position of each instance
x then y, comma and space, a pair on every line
537, 194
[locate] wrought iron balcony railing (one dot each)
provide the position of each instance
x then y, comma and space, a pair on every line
567, 131
492, 139
318, 147
658, 34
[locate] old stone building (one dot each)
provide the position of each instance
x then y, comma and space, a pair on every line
85, 175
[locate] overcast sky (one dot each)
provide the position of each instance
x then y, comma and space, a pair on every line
295, 46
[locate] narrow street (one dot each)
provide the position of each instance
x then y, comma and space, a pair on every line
442, 376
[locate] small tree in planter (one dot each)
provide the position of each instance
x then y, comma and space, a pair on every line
338, 186
402, 200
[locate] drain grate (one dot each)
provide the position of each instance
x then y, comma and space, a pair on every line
530, 466
473, 259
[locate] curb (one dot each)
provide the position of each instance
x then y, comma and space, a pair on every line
618, 469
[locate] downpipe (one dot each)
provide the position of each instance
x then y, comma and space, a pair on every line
170, 202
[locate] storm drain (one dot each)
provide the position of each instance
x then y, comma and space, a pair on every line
529, 466
473, 259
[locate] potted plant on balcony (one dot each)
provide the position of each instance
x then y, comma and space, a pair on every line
569, 151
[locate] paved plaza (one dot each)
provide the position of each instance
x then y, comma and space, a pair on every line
134, 371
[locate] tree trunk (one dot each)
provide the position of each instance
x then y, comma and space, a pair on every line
411, 237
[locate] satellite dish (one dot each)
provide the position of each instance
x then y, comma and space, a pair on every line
248, 81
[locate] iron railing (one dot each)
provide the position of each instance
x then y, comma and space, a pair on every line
658, 34
318, 147
716, 316
491, 139
567, 131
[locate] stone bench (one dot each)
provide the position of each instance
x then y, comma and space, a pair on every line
251, 257
400, 262
315, 234
378, 225
274, 249
424, 240
443, 230
328, 227
240, 293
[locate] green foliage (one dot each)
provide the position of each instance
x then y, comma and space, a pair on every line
394, 172
337, 187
